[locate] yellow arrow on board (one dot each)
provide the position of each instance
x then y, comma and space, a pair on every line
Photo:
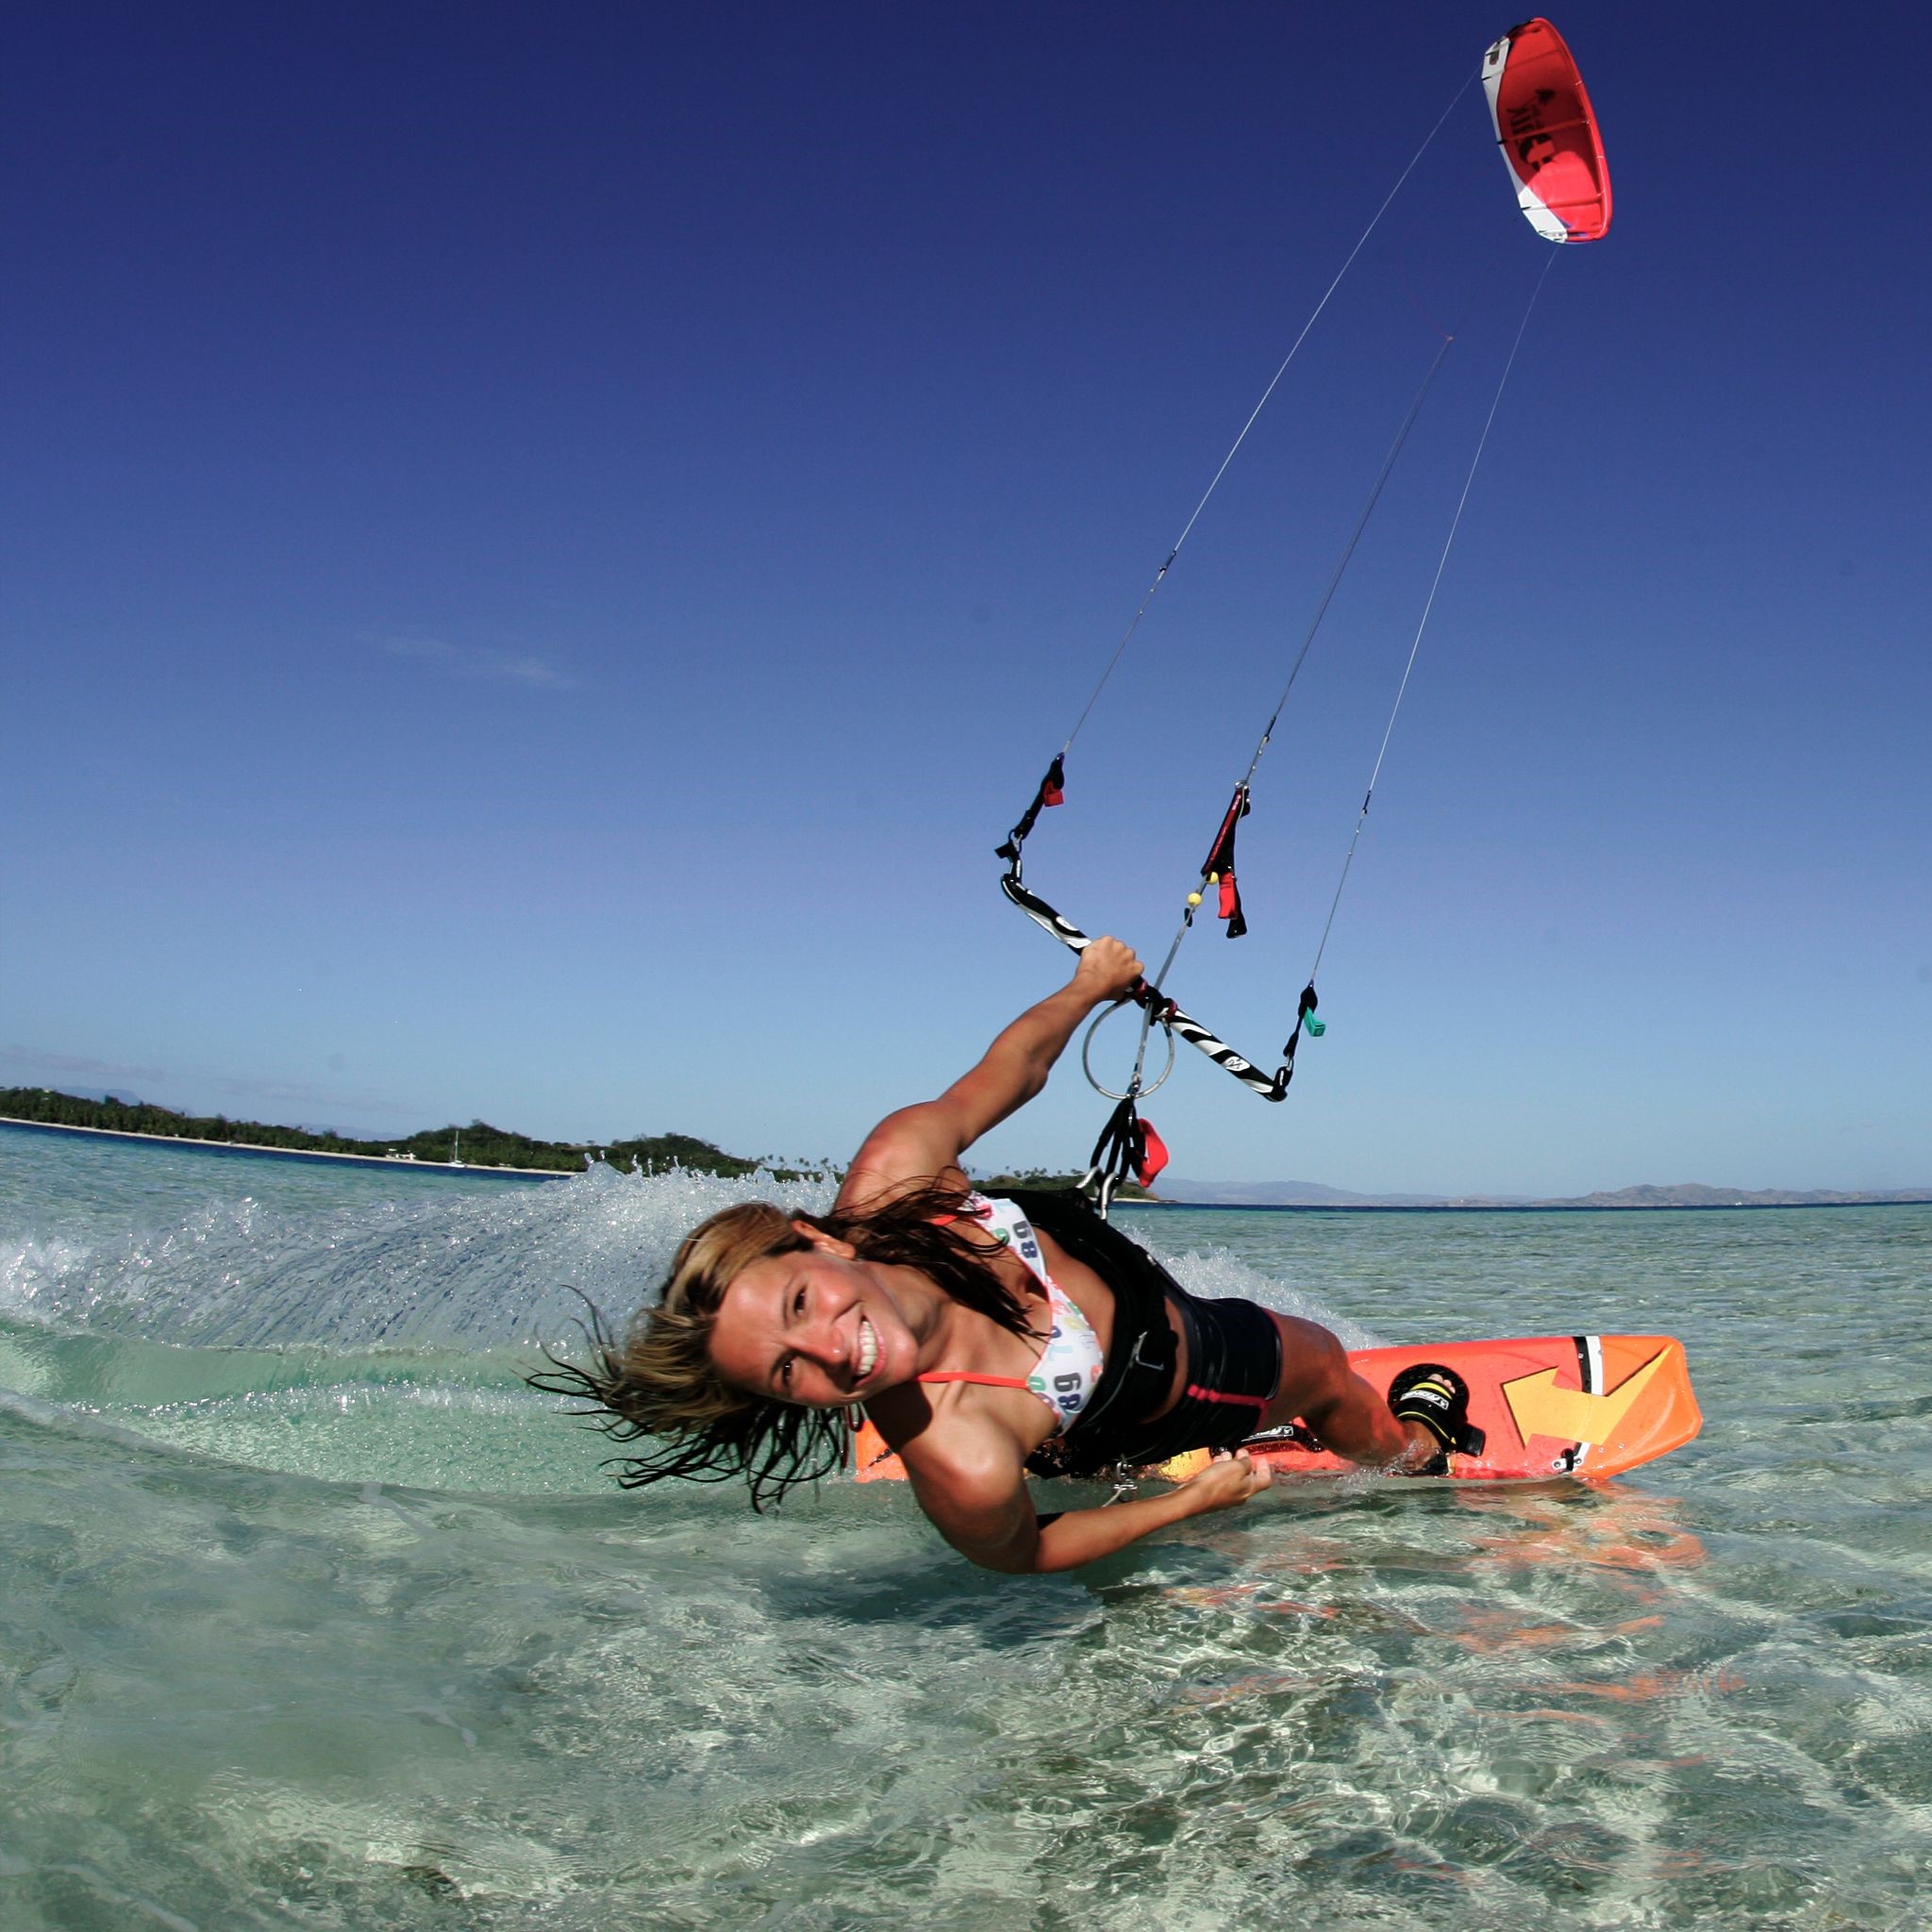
1541, 1409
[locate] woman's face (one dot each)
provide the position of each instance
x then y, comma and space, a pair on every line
815, 1327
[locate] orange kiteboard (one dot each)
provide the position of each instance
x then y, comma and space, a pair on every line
1588, 1406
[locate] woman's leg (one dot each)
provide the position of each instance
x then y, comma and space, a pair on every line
1346, 1415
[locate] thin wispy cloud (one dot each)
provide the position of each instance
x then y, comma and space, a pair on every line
473, 660
66, 1065
305, 1094
31, 1063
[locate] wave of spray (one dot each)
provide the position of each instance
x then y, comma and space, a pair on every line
470, 1271
1213, 1270
462, 1272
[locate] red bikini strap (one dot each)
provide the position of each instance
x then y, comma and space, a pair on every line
967, 1374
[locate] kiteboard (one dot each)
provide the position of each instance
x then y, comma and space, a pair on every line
1585, 1405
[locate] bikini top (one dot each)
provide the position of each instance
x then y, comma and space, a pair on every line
1069, 1367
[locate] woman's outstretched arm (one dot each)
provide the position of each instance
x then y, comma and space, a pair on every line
986, 1514
929, 1137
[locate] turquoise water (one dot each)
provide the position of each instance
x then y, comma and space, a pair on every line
311, 1615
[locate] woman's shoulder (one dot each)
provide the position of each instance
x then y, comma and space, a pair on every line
970, 1454
889, 1164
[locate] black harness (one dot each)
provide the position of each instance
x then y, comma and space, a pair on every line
1139, 1364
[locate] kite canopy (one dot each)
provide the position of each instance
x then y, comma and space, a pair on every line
1547, 132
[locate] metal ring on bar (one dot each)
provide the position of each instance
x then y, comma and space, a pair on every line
1087, 1054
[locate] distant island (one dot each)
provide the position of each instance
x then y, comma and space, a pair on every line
477, 1146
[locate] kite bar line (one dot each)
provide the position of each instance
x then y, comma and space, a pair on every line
1218, 868
1050, 786
1224, 842
1361, 523
1428, 607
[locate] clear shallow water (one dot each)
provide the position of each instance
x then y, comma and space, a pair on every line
311, 1615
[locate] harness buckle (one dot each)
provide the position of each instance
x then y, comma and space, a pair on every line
1162, 1360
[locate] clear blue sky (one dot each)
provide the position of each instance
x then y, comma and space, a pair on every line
543, 547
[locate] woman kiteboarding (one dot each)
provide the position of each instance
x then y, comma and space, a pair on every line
983, 1338
987, 1337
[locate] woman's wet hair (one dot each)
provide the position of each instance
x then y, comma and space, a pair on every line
658, 1381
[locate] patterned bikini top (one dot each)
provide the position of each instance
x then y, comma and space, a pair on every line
1070, 1365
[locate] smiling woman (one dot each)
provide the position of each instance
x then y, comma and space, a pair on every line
983, 1338
669, 1378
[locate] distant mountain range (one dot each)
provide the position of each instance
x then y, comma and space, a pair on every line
1684, 1195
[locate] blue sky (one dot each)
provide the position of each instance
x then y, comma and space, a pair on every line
543, 548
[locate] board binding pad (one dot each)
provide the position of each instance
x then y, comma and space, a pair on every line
1588, 1406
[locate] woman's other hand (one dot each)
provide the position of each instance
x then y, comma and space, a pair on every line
1227, 1480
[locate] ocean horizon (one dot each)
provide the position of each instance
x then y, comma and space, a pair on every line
1357, 1205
